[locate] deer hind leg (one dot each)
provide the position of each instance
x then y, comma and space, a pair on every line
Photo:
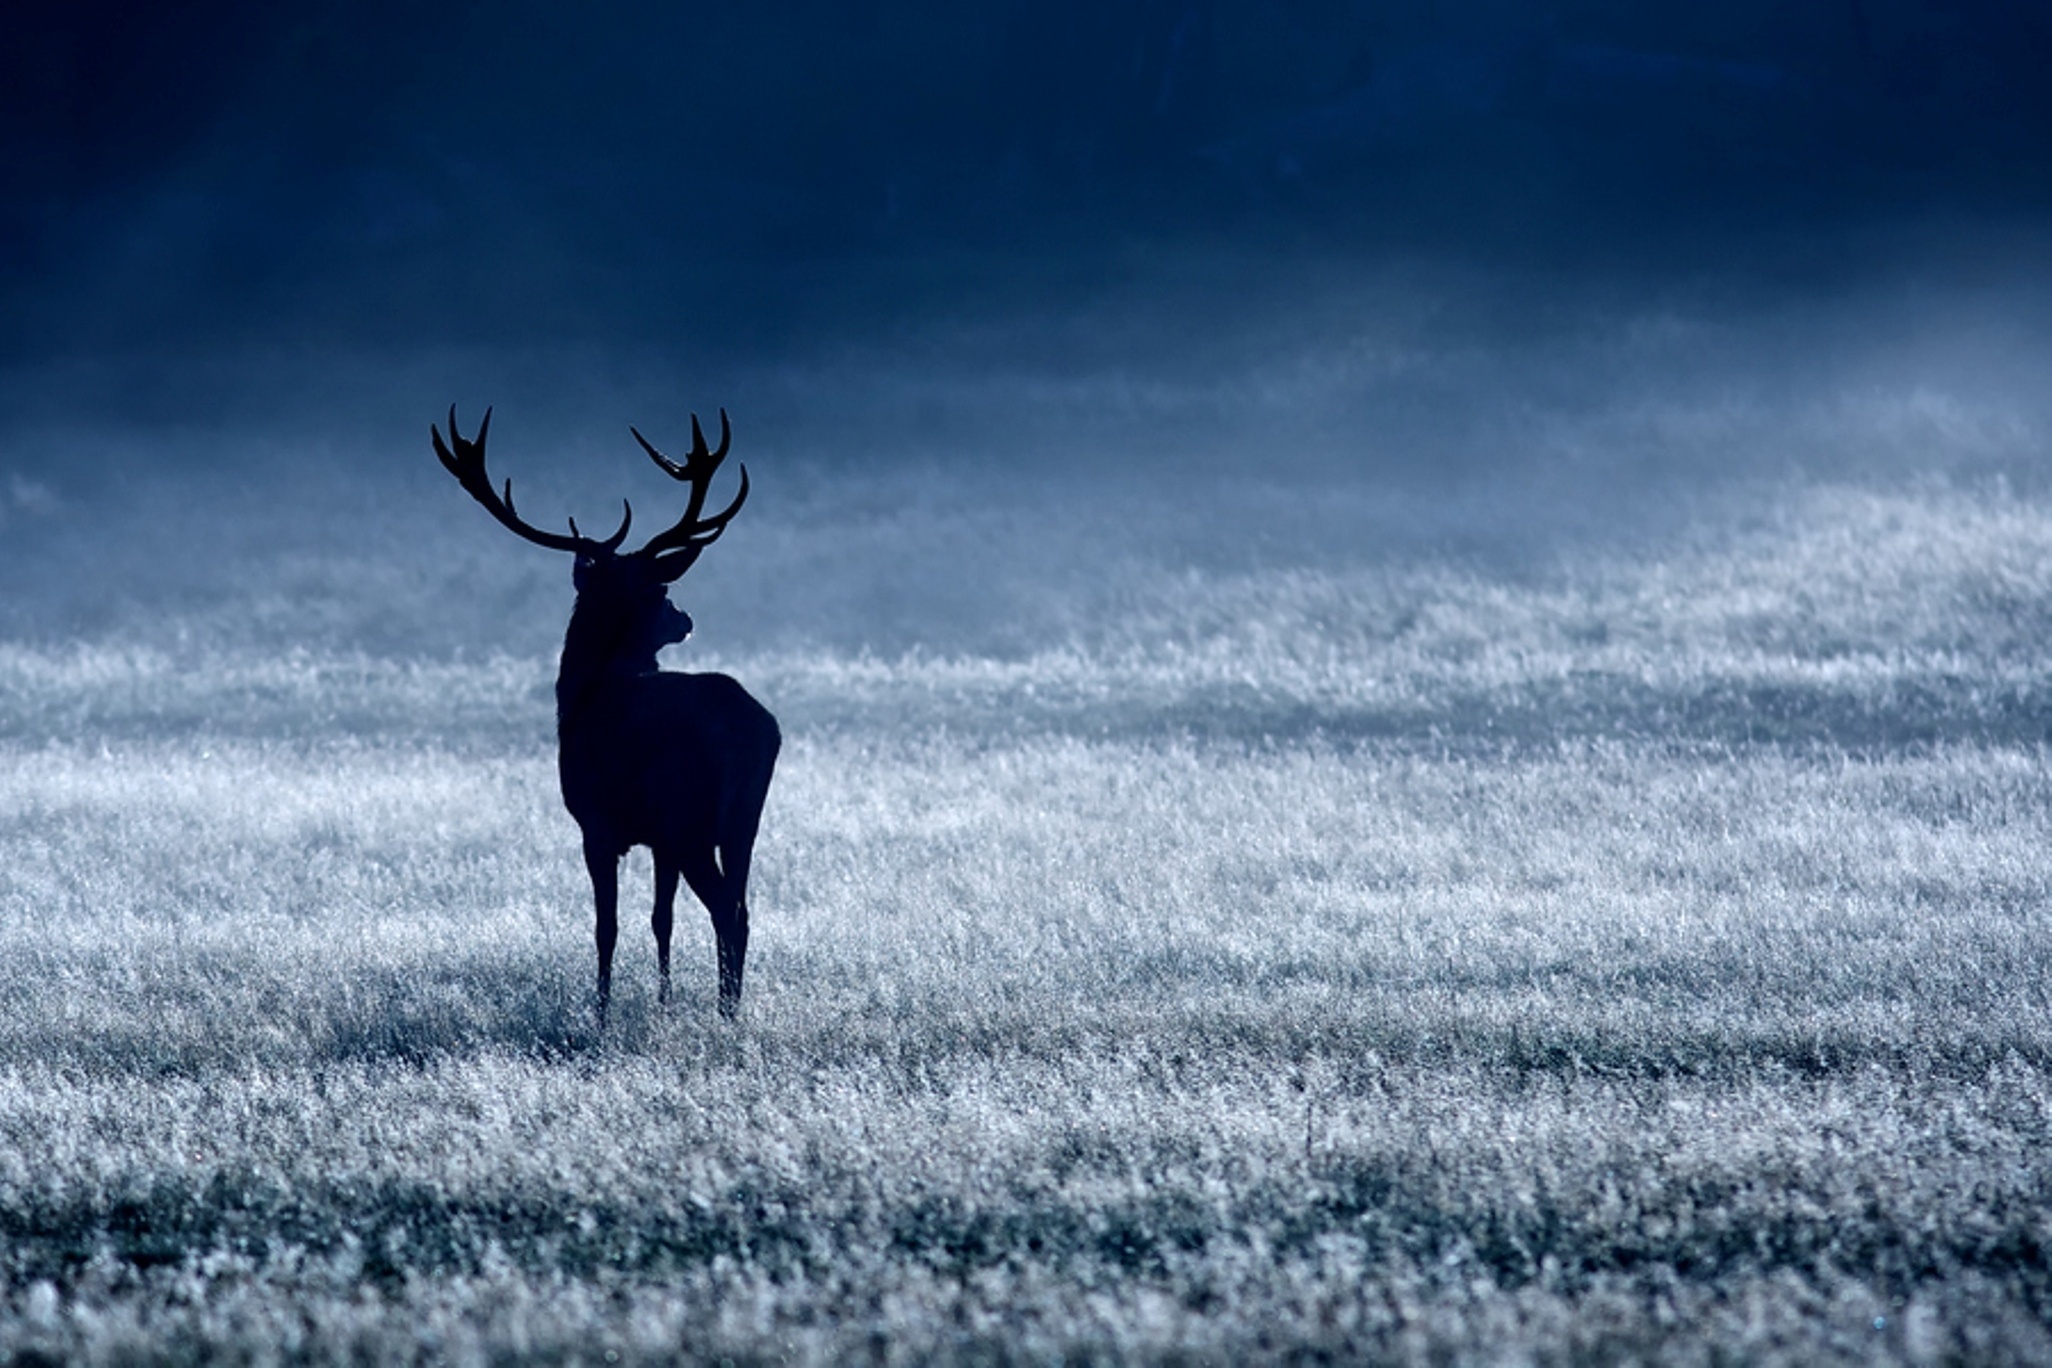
730, 918
604, 867
716, 889
735, 857
660, 920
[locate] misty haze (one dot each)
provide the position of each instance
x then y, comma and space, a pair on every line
1413, 652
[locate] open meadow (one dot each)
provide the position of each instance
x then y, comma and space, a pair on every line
1572, 909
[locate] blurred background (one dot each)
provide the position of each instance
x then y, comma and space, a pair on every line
740, 177
1524, 258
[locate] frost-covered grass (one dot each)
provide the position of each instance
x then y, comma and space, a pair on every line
1052, 1046
1627, 949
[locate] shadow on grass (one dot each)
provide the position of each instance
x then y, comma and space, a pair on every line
233, 1011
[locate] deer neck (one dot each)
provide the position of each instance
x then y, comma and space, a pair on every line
594, 658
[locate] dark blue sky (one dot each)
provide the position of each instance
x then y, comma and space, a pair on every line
380, 173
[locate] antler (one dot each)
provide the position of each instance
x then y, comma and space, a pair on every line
467, 464
674, 550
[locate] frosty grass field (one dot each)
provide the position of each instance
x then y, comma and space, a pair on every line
1293, 918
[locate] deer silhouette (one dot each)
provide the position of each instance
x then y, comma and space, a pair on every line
679, 763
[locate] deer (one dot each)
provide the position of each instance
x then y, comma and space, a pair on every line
677, 762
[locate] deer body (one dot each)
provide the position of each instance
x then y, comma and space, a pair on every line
680, 763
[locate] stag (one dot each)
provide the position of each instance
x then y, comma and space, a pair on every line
679, 763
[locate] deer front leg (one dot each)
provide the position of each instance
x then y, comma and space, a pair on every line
659, 921
604, 867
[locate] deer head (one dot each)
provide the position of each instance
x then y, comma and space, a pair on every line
624, 613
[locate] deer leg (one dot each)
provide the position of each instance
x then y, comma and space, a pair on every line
659, 921
732, 931
605, 891
733, 934
714, 889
